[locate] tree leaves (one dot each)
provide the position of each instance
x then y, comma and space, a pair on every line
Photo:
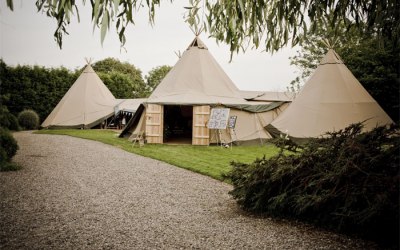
123, 79
104, 26
239, 23
276, 23
155, 76
10, 4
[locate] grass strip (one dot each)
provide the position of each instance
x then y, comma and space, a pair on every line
212, 161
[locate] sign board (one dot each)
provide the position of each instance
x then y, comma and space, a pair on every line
218, 118
232, 121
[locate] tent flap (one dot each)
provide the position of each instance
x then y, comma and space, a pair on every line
255, 108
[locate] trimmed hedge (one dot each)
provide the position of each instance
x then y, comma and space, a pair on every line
28, 119
348, 182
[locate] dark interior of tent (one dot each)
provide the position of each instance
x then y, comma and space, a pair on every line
117, 121
178, 124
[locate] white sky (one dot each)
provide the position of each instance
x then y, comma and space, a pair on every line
26, 37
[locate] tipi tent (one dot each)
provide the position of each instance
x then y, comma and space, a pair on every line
180, 105
330, 100
86, 104
196, 78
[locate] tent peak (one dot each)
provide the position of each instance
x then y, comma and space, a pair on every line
197, 43
178, 54
331, 57
197, 31
88, 60
88, 69
330, 44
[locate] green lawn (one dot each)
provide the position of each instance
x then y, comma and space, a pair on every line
207, 160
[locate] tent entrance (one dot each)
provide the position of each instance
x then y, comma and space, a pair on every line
178, 124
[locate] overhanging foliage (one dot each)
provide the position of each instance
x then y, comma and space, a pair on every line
271, 24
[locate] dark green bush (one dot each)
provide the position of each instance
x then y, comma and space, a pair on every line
7, 144
3, 156
8, 148
28, 119
348, 182
8, 120
14, 125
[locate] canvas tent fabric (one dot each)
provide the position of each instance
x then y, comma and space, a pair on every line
330, 100
255, 107
86, 104
249, 130
197, 80
250, 126
128, 105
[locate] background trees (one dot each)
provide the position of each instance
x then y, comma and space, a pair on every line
40, 88
123, 79
155, 76
33, 87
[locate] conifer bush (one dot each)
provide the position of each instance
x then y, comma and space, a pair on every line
8, 148
13, 121
347, 182
8, 120
28, 119
8, 143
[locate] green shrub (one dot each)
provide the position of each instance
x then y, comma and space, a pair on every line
28, 119
14, 125
7, 144
3, 156
348, 182
8, 120
8, 148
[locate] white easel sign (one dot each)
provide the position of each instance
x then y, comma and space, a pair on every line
218, 118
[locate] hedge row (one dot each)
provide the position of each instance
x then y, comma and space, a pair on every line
348, 182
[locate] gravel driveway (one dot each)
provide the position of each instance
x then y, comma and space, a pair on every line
80, 194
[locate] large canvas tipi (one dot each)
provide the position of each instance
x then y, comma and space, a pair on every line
330, 100
179, 108
196, 78
86, 104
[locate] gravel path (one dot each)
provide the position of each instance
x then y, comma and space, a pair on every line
80, 194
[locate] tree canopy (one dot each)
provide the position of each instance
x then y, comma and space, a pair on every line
123, 79
271, 24
155, 76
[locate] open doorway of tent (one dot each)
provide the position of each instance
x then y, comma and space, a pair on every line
178, 122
